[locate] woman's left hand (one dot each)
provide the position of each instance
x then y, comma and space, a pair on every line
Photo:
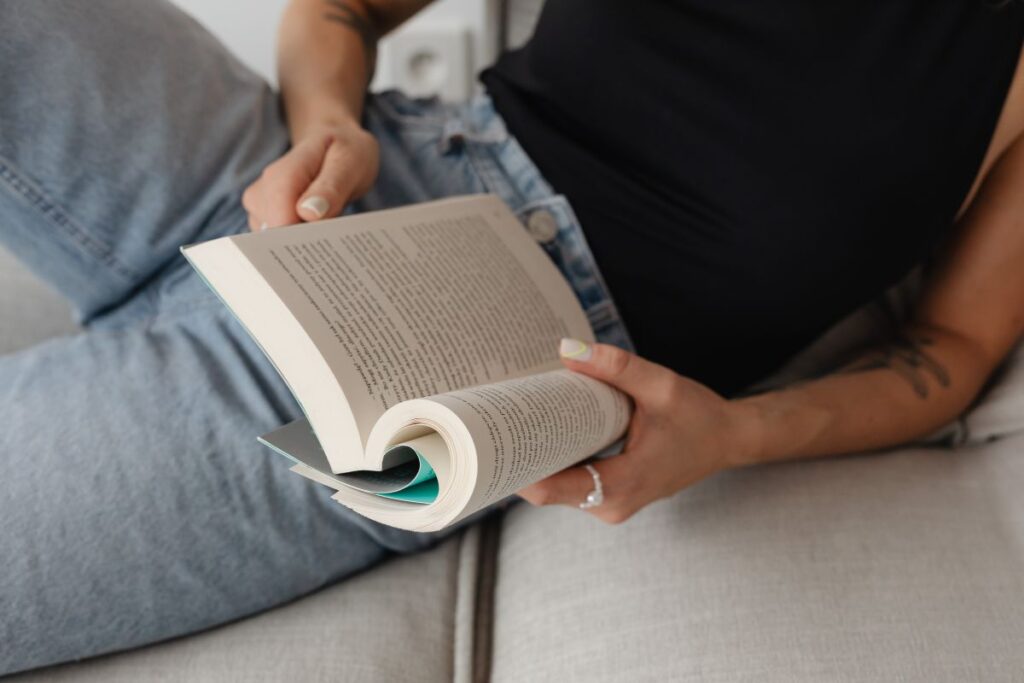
680, 432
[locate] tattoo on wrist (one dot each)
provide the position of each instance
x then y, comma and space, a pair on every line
907, 357
341, 12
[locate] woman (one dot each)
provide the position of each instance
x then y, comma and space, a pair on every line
746, 176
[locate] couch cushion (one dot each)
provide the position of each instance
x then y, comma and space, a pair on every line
29, 310
394, 623
906, 565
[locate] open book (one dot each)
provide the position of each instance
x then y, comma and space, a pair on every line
422, 345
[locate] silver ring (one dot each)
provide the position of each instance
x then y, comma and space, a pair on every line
595, 497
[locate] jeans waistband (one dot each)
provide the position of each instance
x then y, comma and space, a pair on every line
502, 163
506, 170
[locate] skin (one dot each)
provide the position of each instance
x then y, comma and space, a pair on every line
970, 315
325, 59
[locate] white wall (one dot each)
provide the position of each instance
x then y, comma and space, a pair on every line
249, 28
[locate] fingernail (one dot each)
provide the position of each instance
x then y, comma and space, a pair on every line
574, 349
263, 226
318, 205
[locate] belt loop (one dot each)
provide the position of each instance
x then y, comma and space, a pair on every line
453, 136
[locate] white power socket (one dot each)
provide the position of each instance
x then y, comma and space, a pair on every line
432, 59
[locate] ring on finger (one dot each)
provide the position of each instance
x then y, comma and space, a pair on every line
595, 497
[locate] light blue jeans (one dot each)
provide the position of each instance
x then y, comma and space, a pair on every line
136, 504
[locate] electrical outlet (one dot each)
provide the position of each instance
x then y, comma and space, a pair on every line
432, 59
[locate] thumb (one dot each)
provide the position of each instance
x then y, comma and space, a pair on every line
327, 195
610, 364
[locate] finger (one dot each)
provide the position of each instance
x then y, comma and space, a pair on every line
332, 188
622, 491
612, 365
252, 205
256, 224
568, 487
283, 182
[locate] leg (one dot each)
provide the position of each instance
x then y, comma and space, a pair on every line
136, 502
138, 505
126, 130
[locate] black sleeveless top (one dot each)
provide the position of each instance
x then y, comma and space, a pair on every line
748, 172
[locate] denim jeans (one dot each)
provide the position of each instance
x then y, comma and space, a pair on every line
136, 503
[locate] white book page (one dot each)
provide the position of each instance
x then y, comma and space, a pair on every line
496, 439
528, 428
416, 302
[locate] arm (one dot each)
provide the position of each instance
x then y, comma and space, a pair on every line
971, 314
326, 55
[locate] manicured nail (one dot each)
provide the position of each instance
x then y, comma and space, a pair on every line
317, 205
574, 349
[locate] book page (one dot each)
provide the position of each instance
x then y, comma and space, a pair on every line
418, 301
528, 428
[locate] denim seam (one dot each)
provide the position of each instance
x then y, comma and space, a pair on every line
483, 160
553, 200
37, 199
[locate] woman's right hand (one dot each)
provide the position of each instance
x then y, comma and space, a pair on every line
317, 178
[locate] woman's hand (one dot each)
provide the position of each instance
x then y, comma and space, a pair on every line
680, 432
321, 174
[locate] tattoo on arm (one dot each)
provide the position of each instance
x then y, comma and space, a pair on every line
341, 12
908, 358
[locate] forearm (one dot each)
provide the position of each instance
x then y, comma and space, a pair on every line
887, 397
326, 55
972, 311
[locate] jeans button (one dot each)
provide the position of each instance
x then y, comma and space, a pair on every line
542, 226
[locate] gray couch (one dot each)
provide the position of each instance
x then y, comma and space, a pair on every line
906, 565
